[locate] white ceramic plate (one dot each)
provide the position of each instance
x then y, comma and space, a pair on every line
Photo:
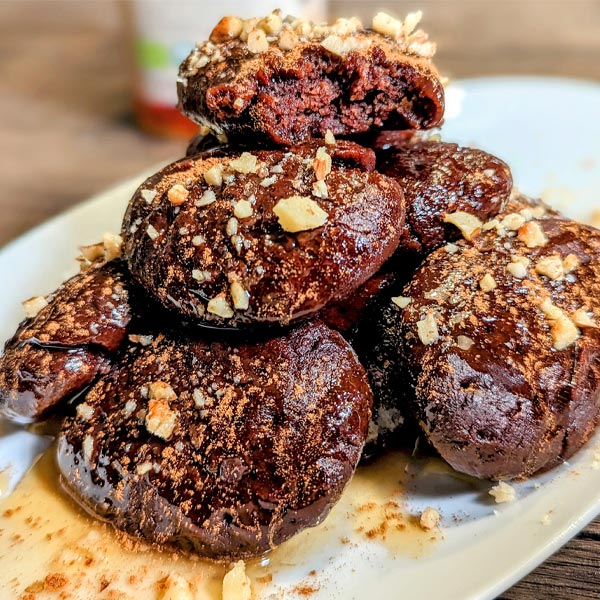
547, 131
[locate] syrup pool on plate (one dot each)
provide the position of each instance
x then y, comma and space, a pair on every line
49, 548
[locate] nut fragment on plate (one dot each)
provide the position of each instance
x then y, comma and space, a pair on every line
503, 492
429, 519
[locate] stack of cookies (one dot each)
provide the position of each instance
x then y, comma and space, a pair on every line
317, 272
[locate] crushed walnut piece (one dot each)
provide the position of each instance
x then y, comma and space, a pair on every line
532, 235
518, 266
550, 266
401, 301
570, 263
329, 138
464, 342
245, 163
583, 318
322, 164
427, 329
84, 411
177, 194
214, 176
112, 246
563, 330
468, 224
160, 419
228, 28
503, 492
32, 306
220, 307
299, 213
488, 283
236, 584
93, 252
240, 297
429, 519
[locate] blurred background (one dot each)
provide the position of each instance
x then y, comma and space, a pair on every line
83, 84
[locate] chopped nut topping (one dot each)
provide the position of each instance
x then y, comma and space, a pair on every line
214, 176
240, 297
513, 221
488, 283
532, 235
177, 194
201, 276
199, 398
32, 306
159, 390
232, 226
257, 41
570, 263
143, 340
93, 252
342, 46
468, 224
329, 138
113, 246
503, 492
451, 248
564, 332
88, 448
268, 181
322, 164
160, 419
243, 209
208, 197
148, 195
299, 213
464, 342
220, 307
272, 23
245, 163
320, 189
427, 330
582, 318
430, 519
228, 28
287, 40
550, 266
84, 411
387, 25
518, 266
198, 240
401, 301
152, 232
236, 584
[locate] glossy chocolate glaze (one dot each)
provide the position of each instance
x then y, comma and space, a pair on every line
292, 96
265, 438
439, 178
503, 402
287, 275
55, 354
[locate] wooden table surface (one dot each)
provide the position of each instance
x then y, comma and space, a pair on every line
66, 130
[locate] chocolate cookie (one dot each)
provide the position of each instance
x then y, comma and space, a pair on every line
224, 451
288, 80
498, 339
439, 178
64, 343
262, 236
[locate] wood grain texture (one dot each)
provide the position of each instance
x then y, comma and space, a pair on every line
66, 129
